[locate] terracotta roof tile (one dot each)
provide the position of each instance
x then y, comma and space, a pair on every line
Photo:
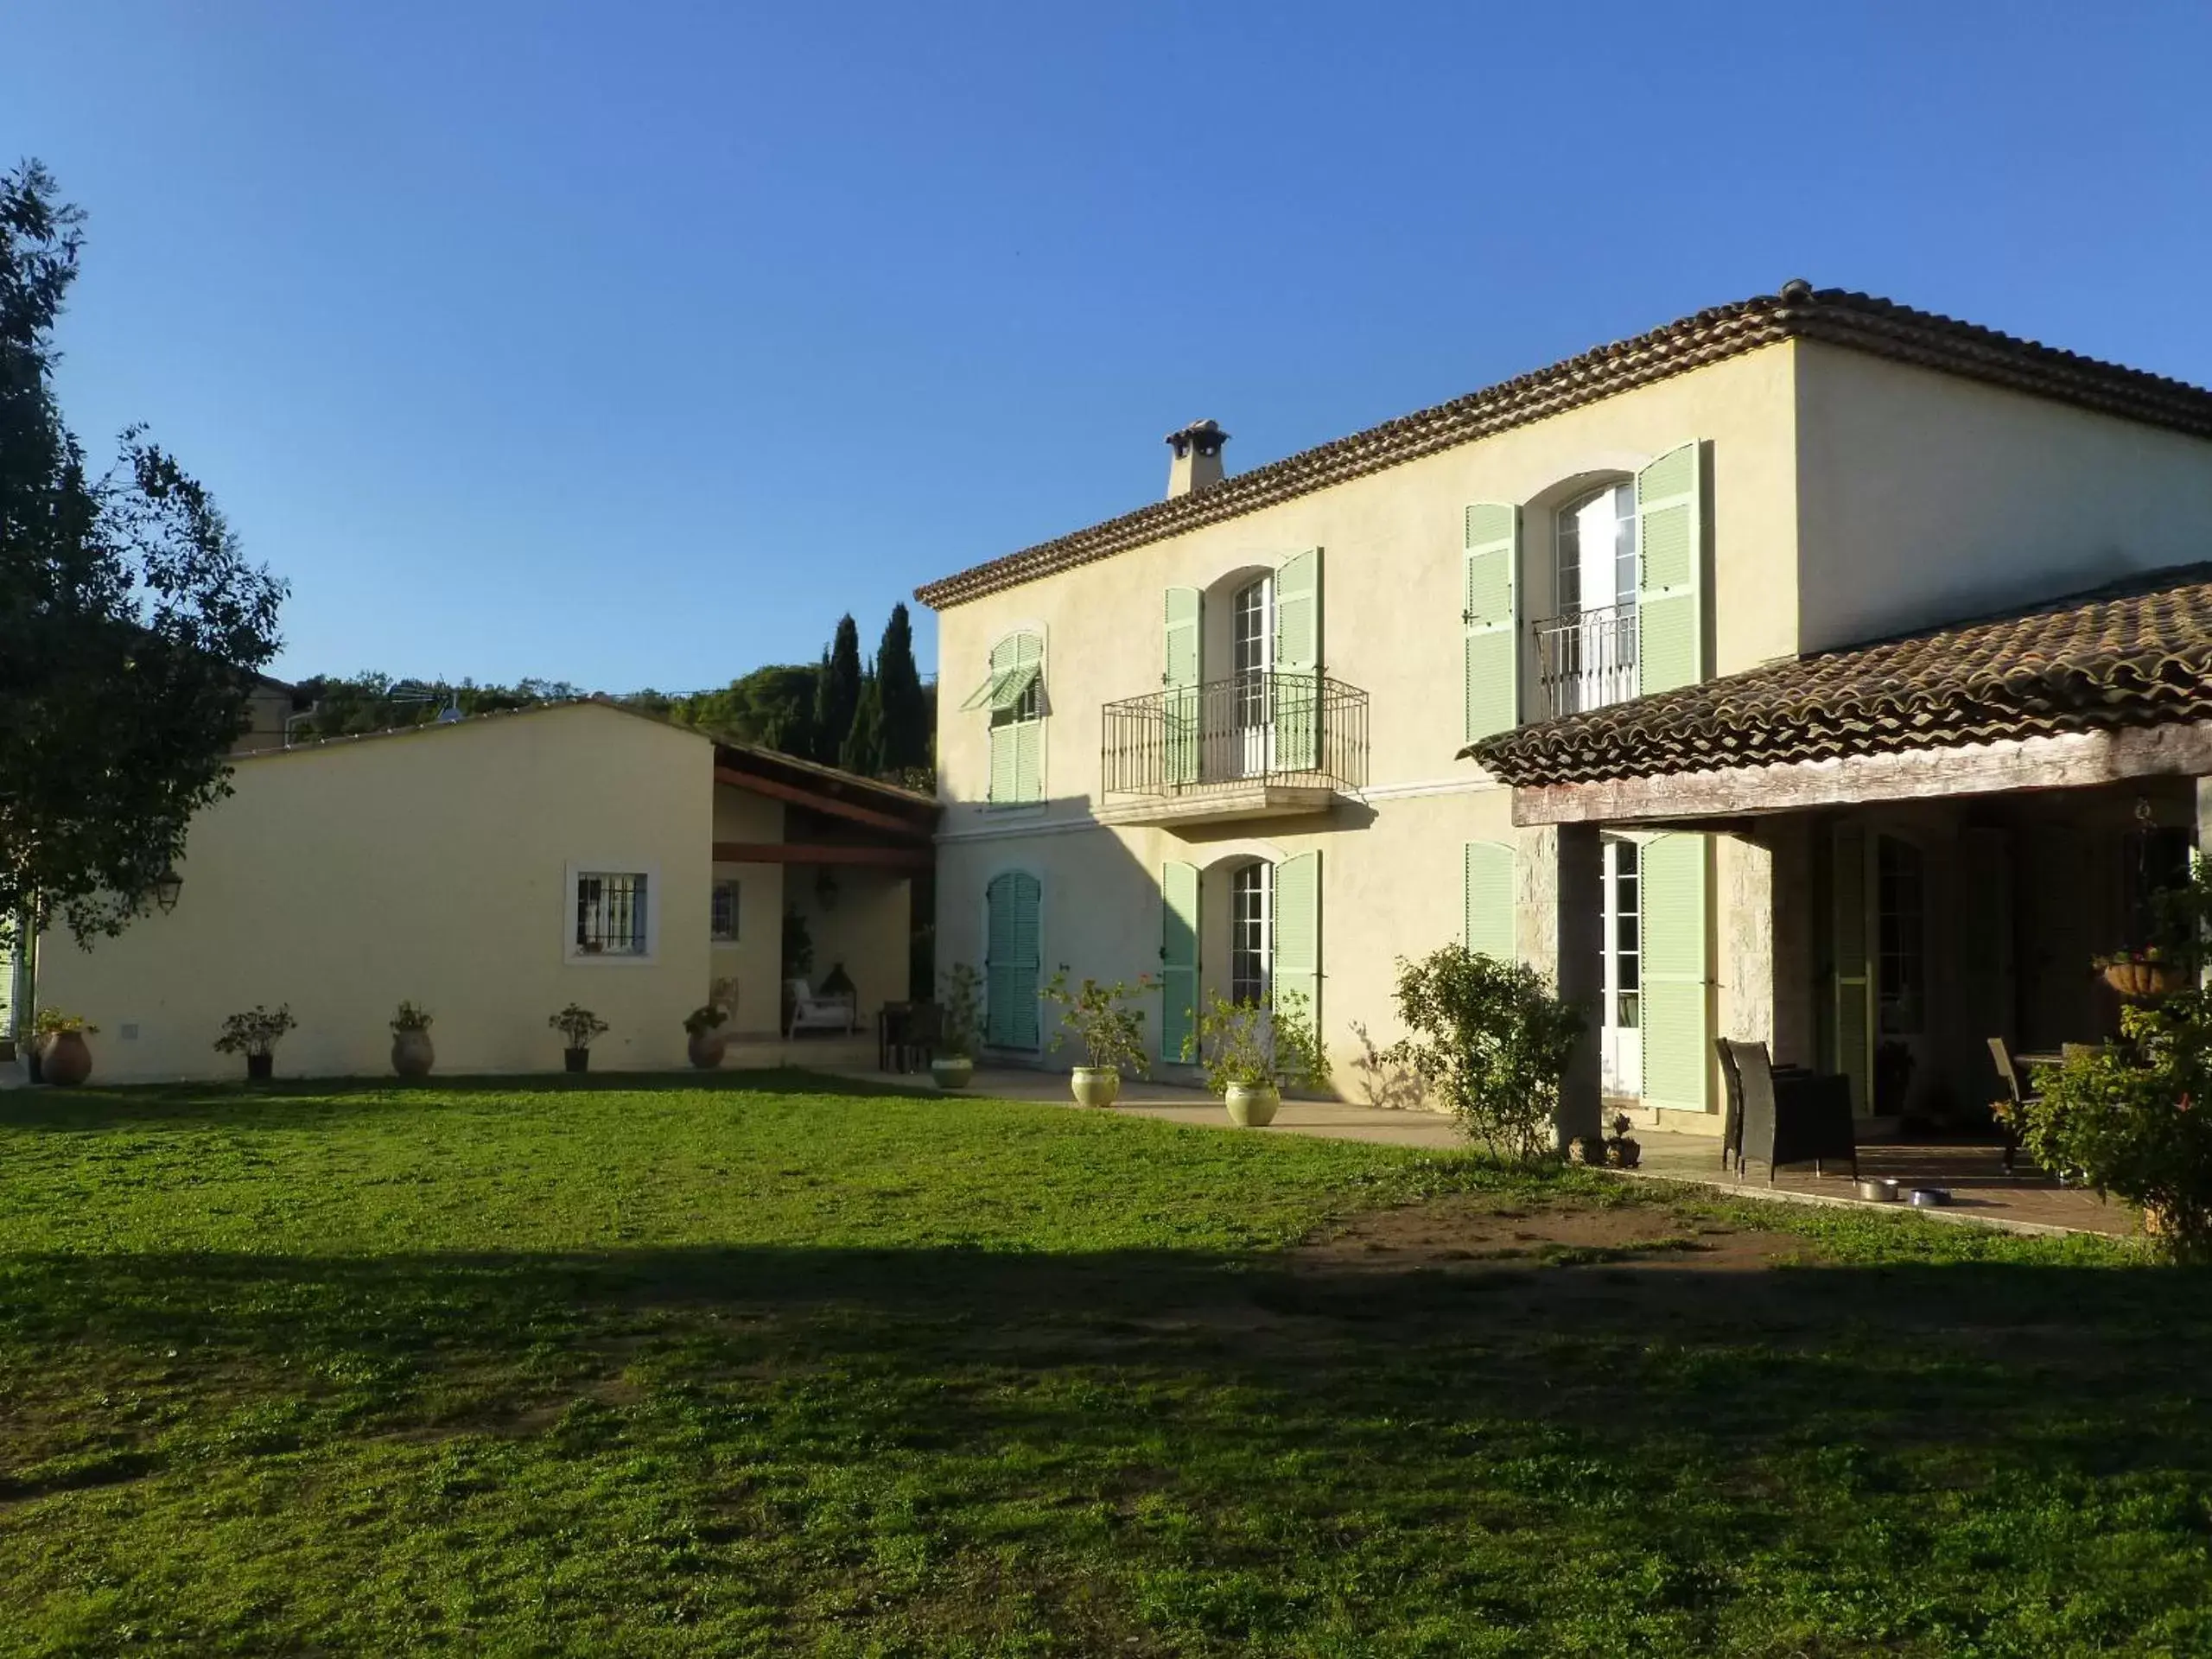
1799, 311
2139, 654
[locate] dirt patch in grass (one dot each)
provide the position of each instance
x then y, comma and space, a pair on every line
1474, 1232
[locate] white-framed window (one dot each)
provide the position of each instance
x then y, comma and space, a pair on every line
610, 914
722, 913
1251, 933
1594, 549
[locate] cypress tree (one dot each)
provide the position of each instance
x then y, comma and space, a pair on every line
838, 698
905, 716
864, 750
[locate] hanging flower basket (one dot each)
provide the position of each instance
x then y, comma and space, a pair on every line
2143, 981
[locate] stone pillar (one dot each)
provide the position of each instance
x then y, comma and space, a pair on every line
1578, 903
1745, 963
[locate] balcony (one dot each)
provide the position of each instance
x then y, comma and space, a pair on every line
1260, 746
1585, 661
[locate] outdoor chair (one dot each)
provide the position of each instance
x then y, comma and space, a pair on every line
1791, 1116
1731, 1114
906, 1036
2013, 1111
839, 1012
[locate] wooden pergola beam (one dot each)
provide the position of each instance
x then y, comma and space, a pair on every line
800, 852
2069, 760
815, 801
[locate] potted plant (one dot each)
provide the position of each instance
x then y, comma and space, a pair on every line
1111, 1032
1248, 1051
703, 1027
412, 1056
579, 1025
2143, 974
959, 1030
63, 1058
254, 1033
1621, 1149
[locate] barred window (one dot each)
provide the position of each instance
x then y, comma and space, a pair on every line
721, 924
610, 914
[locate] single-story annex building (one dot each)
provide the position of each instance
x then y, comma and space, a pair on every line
493, 869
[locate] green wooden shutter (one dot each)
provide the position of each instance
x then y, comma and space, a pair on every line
1186, 667
1487, 904
1677, 1017
1670, 556
1028, 760
1003, 764
1853, 1023
1012, 902
1491, 573
1179, 957
1296, 686
1296, 965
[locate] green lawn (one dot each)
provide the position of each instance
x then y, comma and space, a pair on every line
782, 1367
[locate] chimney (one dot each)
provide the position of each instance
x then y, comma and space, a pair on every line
1197, 464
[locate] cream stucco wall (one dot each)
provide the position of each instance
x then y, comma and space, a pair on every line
1924, 497
1392, 542
430, 866
755, 961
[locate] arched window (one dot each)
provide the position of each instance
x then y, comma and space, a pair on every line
1013, 698
1251, 932
1586, 655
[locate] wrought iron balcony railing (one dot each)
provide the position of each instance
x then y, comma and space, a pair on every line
1585, 661
1283, 728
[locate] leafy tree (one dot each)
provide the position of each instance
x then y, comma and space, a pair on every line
907, 715
838, 698
772, 706
345, 706
131, 628
1492, 1041
864, 744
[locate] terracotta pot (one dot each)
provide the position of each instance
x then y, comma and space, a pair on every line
411, 1053
576, 1059
952, 1071
1252, 1105
66, 1059
707, 1048
1096, 1085
2139, 981
259, 1068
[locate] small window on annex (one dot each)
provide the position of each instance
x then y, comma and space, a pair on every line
610, 914
722, 922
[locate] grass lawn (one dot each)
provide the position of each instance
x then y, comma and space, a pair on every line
781, 1366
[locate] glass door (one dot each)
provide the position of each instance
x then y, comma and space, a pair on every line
1620, 1036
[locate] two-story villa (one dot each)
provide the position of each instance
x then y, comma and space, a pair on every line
1746, 676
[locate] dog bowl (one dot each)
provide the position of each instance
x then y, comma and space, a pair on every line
1880, 1192
1931, 1197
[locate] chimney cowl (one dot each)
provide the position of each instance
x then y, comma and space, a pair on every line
1196, 463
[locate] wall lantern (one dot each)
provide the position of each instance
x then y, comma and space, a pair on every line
167, 885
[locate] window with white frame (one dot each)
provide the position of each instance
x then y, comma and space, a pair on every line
1251, 933
722, 915
612, 914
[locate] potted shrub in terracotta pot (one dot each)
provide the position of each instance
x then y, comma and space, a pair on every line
578, 1025
707, 1045
1248, 1052
1111, 1032
254, 1034
412, 1056
960, 1029
64, 1059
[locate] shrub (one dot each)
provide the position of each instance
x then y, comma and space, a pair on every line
704, 1018
256, 1031
578, 1025
2134, 1118
52, 1022
1111, 1032
410, 1017
1491, 1041
1258, 1046
960, 1032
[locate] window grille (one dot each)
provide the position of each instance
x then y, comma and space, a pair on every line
610, 915
723, 914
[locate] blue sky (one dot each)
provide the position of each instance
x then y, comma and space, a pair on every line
631, 344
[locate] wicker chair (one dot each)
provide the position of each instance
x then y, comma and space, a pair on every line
1791, 1116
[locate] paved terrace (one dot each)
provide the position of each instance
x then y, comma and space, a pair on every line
1980, 1190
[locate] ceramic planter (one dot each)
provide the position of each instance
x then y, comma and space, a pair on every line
259, 1068
1252, 1105
411, 1053
576, 1059
952, 1071
67, 1060
1096, 1085
707, 1048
